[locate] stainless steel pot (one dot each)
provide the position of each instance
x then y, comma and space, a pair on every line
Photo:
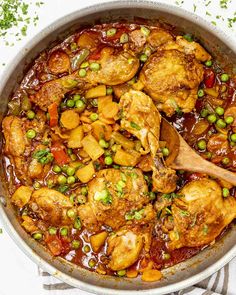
181, 275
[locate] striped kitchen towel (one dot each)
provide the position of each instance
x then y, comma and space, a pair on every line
222, 282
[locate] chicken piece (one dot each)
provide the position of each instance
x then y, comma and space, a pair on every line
54, 91
200, 214
159, 37
172, 78
113, 193
141, 118
187, 47
15, 138
114, 69
124, 248
51, 206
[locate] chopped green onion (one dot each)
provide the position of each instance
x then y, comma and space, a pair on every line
225, 161
143, 57
77, 224
52, 230
111, 32
200, 93
121, 273
225, 192
75, 244
208, 63
135, 126
145, 31
63, 231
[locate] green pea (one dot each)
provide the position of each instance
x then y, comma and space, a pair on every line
61, 179
37, 236
124, 38
70, 103
165, 152
73, 157
111, 32
86, 249
30, 114
80, 105
233, 137
200, 93
225, 161
211, 118
103, 143
94, 66
108, 160
84, 65
77, 224
224, 77
208, 63
143, 57
201, 144
225, 192
145, 31
52, 230
208, 155
56, 169
71, 213
36, 185
75, 244
82, 73
220, 111
166, 256
76, 97
93, 116
31, 133
50, 183
64, 231
229, 120
92, 262
84, 190
70, 171
220, 123
109, 91
121, 273
152, 196
204, 113
71, 180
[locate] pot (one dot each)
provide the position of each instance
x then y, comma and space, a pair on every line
179, 276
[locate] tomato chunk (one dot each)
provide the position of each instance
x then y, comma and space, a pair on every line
58, 151
54, 244
53, 113
209, 78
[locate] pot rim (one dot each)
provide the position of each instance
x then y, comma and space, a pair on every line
9, 70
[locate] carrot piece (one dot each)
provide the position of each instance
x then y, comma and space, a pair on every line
151, 275
53, 113
54, 244
58, 151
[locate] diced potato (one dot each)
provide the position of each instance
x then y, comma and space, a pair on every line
211, 92
109, 121
121, 89
98, 240
122, 140
28, 224
110, 110
131, 273
85, 174
87, 40
126, 158
92, 147
103, 101
151, 275
138, 85
101, 130
70, 119
22, 196
76, 136
97, 91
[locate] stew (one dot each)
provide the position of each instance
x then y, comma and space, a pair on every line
84, 162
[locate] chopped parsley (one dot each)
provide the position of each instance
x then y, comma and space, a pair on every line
184, 213
43, 156
135, 126
134, 214
15, 14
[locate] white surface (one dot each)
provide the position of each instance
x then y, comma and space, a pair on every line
17, 272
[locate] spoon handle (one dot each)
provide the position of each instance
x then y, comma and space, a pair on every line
189, 160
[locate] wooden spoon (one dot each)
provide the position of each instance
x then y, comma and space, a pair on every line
183, 157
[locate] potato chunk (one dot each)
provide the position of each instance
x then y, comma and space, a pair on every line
22, 196
98, 240
92, 147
